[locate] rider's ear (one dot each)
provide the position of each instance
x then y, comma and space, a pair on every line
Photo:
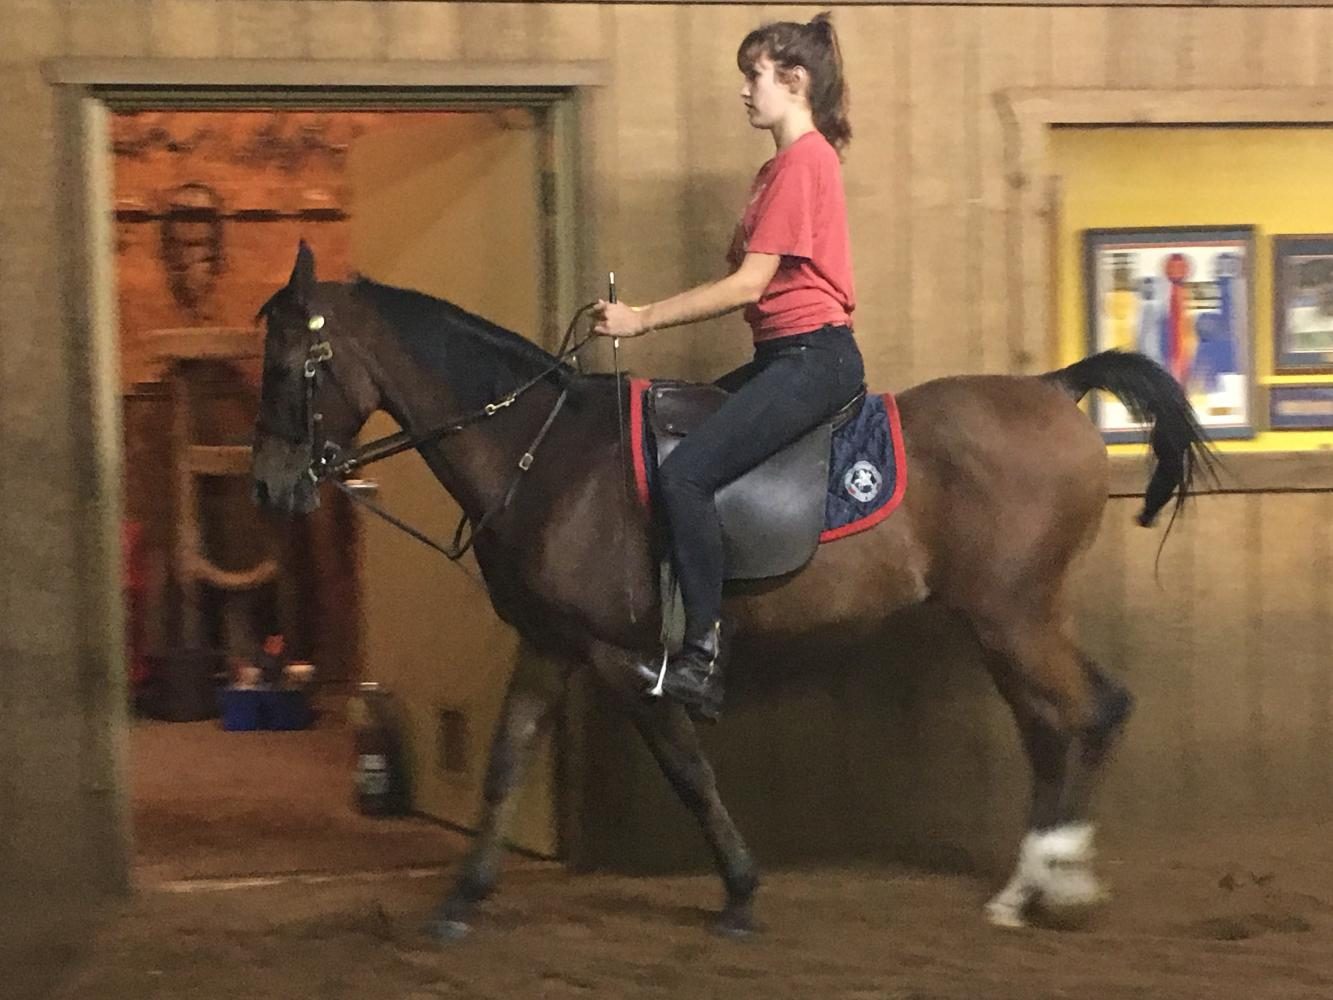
797, 79
302, 281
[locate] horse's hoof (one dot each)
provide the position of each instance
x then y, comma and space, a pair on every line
735, 925
450, 922
1075, 889
1006, 915
1066, 916
446, 930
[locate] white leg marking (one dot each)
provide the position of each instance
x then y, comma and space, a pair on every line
1055, 865
1068, 880
1007, 908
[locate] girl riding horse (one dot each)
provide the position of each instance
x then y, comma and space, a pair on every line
791, 269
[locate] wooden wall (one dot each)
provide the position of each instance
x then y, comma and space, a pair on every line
926, 172
1230, 651
276, 178
670, 161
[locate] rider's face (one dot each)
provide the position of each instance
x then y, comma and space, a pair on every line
768, 99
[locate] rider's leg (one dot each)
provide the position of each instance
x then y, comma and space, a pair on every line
794, 386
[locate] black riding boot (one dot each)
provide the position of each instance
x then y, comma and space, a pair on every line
694, 676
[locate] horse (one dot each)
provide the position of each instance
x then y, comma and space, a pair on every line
1009, 478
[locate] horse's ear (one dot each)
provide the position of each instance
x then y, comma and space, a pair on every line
302, 281
264, 309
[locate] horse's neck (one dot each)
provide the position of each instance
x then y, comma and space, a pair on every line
473, 465
478, 465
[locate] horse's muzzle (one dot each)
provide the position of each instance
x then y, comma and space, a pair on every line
281, 477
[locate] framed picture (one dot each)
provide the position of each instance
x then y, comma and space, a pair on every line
1300, 407
1302, 303
1180, 295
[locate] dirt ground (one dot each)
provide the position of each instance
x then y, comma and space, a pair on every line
243, 896
212, 804
1247, 917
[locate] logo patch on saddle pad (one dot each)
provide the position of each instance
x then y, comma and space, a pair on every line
862, 481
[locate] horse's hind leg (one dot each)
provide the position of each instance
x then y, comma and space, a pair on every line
1068, 714
1112, 704
672, 738
530, 702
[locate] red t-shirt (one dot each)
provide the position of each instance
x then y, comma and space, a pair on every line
798, 209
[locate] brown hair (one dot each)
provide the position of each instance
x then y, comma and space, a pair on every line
815, 47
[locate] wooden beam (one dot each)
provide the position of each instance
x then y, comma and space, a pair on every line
1095, 106
315, 74
1239, 472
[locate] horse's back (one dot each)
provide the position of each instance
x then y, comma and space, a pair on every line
980, 414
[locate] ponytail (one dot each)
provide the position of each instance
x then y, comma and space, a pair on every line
814, 47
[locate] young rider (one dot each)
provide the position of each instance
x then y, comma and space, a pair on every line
791, 271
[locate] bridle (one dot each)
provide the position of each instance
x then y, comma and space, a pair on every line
329, 462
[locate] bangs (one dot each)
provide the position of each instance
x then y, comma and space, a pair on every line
756, 46
779, 42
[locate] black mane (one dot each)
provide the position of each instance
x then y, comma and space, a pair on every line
479, 359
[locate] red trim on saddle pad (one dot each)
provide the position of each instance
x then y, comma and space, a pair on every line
899, 459
638, 388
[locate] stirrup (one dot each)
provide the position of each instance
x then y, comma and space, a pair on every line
656, 690
715, 637
693, 677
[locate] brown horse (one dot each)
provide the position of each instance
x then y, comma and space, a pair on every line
1008, 483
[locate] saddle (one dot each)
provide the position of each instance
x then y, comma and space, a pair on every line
772, 515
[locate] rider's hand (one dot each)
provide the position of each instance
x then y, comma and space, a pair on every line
615, 319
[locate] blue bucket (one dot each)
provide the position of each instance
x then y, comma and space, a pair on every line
285, 709
241, 709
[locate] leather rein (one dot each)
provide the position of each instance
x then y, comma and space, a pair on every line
329, 462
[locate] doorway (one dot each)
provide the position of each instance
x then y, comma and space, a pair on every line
444, 698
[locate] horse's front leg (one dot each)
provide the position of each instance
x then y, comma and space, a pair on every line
534, 693
671, 736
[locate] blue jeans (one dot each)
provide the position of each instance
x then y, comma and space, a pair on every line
790, 387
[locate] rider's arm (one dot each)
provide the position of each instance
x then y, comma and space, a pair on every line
740, 288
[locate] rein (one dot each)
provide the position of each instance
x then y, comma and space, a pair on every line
329, 462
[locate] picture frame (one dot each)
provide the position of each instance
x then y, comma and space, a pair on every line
1302, 303
1300, 407
1181, 295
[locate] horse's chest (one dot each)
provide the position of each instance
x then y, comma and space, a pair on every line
514, 581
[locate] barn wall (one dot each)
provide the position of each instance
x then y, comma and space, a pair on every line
1232, 644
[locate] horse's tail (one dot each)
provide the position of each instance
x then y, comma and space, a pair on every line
1179, 444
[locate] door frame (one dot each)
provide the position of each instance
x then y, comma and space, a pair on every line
566, 94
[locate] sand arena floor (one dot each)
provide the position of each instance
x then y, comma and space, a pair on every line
1243, 913
1239, 919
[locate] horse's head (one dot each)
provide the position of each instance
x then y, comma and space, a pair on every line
316, 391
